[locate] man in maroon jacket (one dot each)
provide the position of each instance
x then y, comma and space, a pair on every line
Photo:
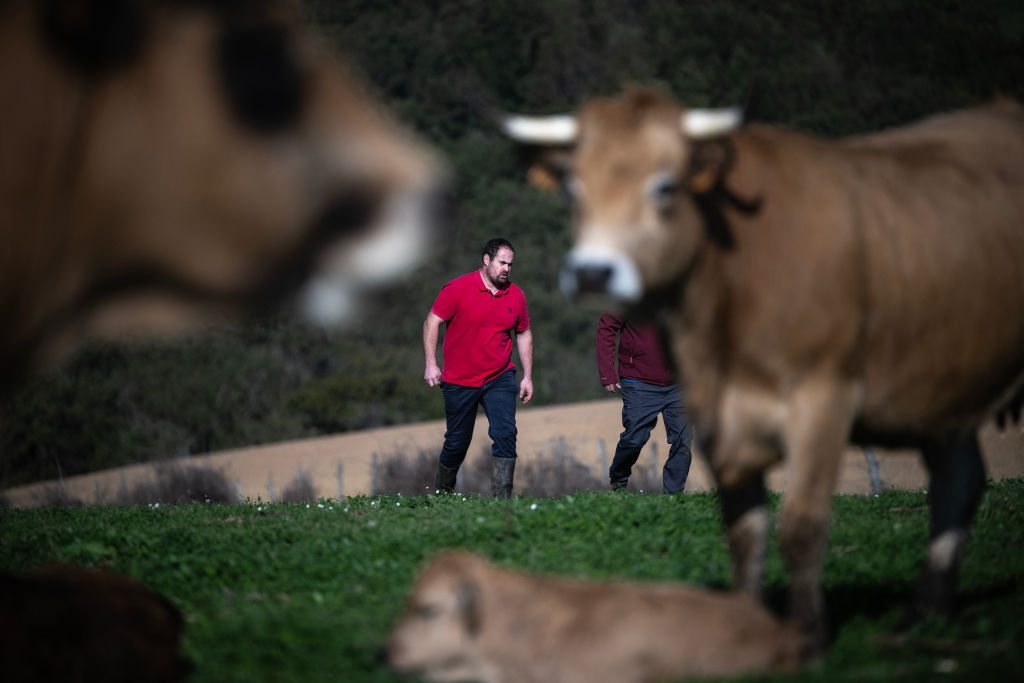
648, 388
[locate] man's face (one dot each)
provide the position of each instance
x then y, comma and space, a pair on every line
498, 269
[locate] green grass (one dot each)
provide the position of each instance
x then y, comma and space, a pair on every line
309, 593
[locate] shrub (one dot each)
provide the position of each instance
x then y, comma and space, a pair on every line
546, 475
178, 483
408, 476
299, 490
56, 495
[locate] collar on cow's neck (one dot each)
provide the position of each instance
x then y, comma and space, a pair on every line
718, 195
710, 206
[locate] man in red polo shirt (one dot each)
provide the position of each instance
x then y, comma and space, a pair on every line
483, 312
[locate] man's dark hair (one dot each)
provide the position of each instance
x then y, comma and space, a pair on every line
492, 247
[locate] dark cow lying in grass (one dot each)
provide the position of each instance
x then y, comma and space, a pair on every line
167, 163
468, 620
814, 293
73, 624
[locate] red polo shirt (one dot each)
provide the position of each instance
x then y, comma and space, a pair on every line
478, 337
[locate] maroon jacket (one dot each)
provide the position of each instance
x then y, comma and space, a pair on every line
640, 353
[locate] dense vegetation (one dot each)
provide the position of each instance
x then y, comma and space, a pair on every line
309, 592
830, 68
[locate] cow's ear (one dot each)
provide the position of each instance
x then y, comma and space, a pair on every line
548, 167
708, 164
543, 178
468, 599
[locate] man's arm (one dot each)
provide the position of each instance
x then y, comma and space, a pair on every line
608, 328
431, 331
524, 343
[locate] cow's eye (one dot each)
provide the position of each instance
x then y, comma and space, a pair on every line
573, 189
662, 189
427, 612
262, 77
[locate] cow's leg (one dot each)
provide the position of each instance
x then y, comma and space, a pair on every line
816, 432
744, 446
745, 513
957, 481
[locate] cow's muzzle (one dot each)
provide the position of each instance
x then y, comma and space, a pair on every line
600, 271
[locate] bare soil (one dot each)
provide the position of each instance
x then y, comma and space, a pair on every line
344, 465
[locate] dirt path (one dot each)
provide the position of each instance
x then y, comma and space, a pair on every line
344, 464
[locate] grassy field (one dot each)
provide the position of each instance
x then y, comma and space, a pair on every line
309, 592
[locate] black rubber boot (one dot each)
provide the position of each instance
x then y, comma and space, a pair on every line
502, 471
444, 481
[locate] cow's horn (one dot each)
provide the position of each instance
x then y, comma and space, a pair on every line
540, 130
708, 123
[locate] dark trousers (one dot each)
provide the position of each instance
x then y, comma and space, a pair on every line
498, 397
641, 405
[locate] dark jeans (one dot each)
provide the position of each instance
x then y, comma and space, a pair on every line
498, 397
641, 404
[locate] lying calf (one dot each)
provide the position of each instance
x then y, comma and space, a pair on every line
468, 620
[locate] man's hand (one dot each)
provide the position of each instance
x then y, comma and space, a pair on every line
526, 390
431, 328
612, 387
432, 374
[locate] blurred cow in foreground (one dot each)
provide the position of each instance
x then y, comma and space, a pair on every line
167, 163
73, 624
814, 293
468, 620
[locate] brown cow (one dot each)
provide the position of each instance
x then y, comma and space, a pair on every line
67, 623
469, 620
166, 163
814, 293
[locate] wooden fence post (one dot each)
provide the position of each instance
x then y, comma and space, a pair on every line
373, 473
873, 471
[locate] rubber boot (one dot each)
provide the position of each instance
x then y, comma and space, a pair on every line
502, 471
444, 481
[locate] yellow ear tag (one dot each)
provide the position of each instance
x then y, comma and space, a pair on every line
702, 181
542, 178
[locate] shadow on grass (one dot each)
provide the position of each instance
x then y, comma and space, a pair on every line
964, 631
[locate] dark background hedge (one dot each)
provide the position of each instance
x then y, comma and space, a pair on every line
826, 67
